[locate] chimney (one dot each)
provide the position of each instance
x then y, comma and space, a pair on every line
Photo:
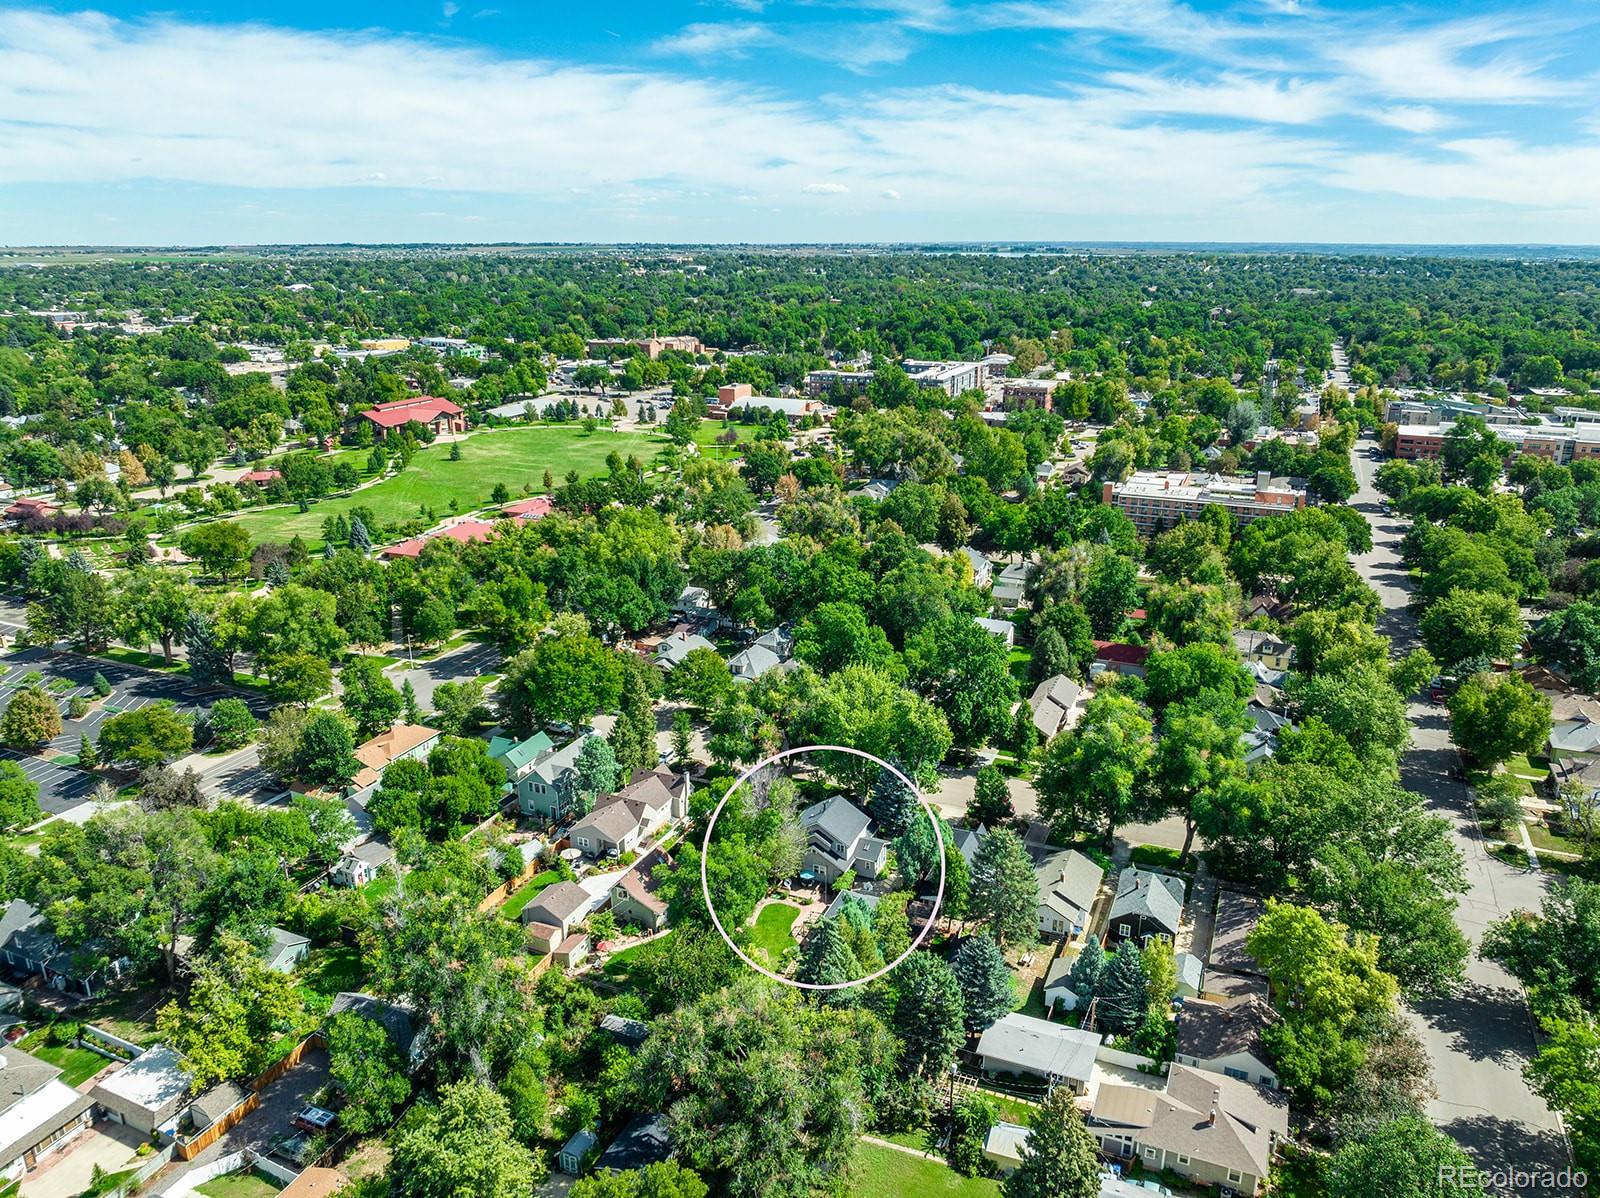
1211, 1119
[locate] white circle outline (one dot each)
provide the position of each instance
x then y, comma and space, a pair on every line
705, 886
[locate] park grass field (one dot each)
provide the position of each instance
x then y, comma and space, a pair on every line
516, 457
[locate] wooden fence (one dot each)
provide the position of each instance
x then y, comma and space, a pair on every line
188, 1147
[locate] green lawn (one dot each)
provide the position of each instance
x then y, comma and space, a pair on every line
706, 438
327, 971
517, 457
1156, 855
772, 933
886, 1173
239, 1185
380, 887
512, 908
77, 1065
1020, 661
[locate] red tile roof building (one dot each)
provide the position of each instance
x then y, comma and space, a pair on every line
440, 415
261, 477
536, 508
467, 530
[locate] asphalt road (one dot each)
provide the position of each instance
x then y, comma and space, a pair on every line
462, 664
1480, 1038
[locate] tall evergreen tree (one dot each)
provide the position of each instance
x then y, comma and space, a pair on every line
892, 805
928, 1017
360, 538
1121, 1002
828, 961
1059, 1160
1050, 656
1086, 970
411, 709
1004, 890
987, 992
208, 663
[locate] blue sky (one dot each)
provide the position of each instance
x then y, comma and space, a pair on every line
836, 120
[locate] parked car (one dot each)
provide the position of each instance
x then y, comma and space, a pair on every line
314, 1119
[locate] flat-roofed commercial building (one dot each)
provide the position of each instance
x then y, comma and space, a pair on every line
1158, 499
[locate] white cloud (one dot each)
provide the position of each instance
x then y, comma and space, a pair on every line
855, 47
91, 100
711, 39
1451, 62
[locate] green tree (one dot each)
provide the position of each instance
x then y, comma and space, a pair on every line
31, 719
1060, 1159
147, 735
1569, 641
232, 723
1566, 1074
1122, 994
663, 1179
991, 804
987, 991
363, 1060
235, 1011
1495, 716
964, 670
1404, 1158
1473, 624
596, 769
1092, 776
970, 1120
1084, 980
1005, 891
154, 605
368, 697
702, 679
325, 753
19, 795
461, 1145
929, 1016
222, 548
460, 708
565, 678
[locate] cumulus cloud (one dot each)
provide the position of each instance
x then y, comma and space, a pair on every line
93, 100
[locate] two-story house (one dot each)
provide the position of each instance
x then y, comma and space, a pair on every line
633, 895
1068, 883
1267, 654
838, 837
542, 776
1229, 1038
632, 816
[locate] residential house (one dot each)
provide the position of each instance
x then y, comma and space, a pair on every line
967, 841
1574, 728
633, 895
260, 478
39, 1113
644, 1141
752, 662
1208, 1128
633, 815
519, 757
838, 838
1120, 658
1010, 586
284, 950
1148, 905
30, 947
1004, 629
694, 605
396, 1019
673, 649
1061, 1055
543, 778
362, 863
1227, 1038
1237, 914
562, 906
861, 903
982, 567
1057, 704
877, 489
402, 742
441, 416
1068, 883
148, 1093
1265, 649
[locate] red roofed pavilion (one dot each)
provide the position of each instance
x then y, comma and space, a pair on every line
438, 414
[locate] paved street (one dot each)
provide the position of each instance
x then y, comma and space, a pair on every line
1479, 1039
461, 664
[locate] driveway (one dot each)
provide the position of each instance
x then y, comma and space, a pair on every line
1480, 1038
110, 1146
269, 1121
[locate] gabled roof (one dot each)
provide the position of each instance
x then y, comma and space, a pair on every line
1153, 896
535, 508
377, 753
1121, 653
1180, 1118
561, 901
967, 841
1251, 641
644, 1141
613, 822
675, 648
517, 754
1039, 1046
640, 883
1210, 1031
1237, 913
551, 765
1068, 882
422, 409
753, 661
1056, 703
838, 818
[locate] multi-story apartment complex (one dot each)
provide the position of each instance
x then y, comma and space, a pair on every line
653, 347
1158, 499
950, 377
826, 382
1554, 442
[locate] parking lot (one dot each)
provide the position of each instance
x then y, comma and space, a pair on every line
67, 676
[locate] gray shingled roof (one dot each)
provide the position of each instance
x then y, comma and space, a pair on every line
1023, 1043
1158, 897
1210, 1031
1237, 913
562, 900
839, 818
1068, 882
